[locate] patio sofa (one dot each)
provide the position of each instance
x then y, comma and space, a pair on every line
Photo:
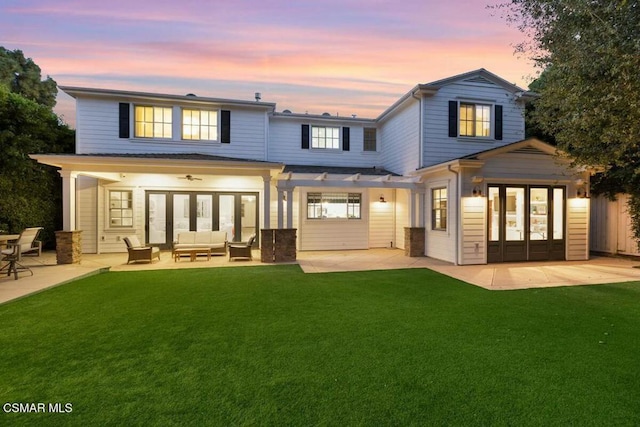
215, 240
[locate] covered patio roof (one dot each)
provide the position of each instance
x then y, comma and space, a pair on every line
108, 166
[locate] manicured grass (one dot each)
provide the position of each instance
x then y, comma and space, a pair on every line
274, 346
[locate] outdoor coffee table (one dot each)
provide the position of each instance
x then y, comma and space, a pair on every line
192, 252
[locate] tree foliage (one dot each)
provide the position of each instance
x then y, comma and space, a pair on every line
590, 94
30, 193
21, 75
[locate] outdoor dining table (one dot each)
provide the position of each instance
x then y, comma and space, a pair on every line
5, 238
11, 262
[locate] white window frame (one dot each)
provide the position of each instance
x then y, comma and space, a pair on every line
318, 142
199, 125
364, 139
434, 225
151, 127
112, 206
316, 211
474, 122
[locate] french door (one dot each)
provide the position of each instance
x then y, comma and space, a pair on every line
526, 223
171, 212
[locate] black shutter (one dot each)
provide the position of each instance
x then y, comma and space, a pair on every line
225, 124
305, 137
498, 123
453, 119
345, 139
124, 120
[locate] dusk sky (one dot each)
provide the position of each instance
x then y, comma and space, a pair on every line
343, 57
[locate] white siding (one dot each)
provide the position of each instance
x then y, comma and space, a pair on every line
474, 226
611, 226
524, 166
86, 208
441, 244
285, 135
381, 219
399, 137
439, 147
97, 124
333, 234
577, 229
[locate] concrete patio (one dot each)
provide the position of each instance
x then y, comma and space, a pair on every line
512, 276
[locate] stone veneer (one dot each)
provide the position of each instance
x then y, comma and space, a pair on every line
278, 245
414, 241
69, 247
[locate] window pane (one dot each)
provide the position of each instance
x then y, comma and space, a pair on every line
558, 213
334, 205
494, 214
514, 230
539, 215
439, 208
152, 122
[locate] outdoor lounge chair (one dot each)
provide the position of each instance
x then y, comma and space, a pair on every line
241, 249
139, 252
24, 245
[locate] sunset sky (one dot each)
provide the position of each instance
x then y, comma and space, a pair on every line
344, 57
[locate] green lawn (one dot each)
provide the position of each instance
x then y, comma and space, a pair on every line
274, 346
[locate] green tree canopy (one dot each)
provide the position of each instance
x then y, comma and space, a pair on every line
590, 94
21, 75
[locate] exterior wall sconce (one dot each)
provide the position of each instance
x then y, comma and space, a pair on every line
382, 200
477, 191
581, 193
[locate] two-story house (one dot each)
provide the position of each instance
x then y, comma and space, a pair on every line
443, 172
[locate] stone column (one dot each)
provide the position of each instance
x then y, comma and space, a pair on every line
285, 245
278, 245
69, 247
266, 245
414, 241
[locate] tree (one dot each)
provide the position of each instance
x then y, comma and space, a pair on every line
21, 75
590, 97
30, 193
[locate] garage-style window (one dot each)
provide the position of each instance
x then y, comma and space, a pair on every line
334, 205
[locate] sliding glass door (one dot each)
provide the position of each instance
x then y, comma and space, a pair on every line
170, 213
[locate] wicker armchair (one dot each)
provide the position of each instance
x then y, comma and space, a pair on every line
241, 249
139, 252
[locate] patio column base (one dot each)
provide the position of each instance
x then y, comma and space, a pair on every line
69, 247
278, 245
414, 241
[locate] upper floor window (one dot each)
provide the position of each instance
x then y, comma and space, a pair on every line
439, 208
475, 119
152, 122
369, 139
199, 125
325, 137
121, 208
333, 205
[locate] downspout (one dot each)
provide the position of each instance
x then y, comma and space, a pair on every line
457, 244
420, 129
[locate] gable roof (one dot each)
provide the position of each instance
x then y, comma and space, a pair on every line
476, 76
528, 146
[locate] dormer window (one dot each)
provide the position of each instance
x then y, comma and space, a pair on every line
152, 122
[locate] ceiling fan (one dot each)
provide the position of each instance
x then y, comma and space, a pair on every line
190, 178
